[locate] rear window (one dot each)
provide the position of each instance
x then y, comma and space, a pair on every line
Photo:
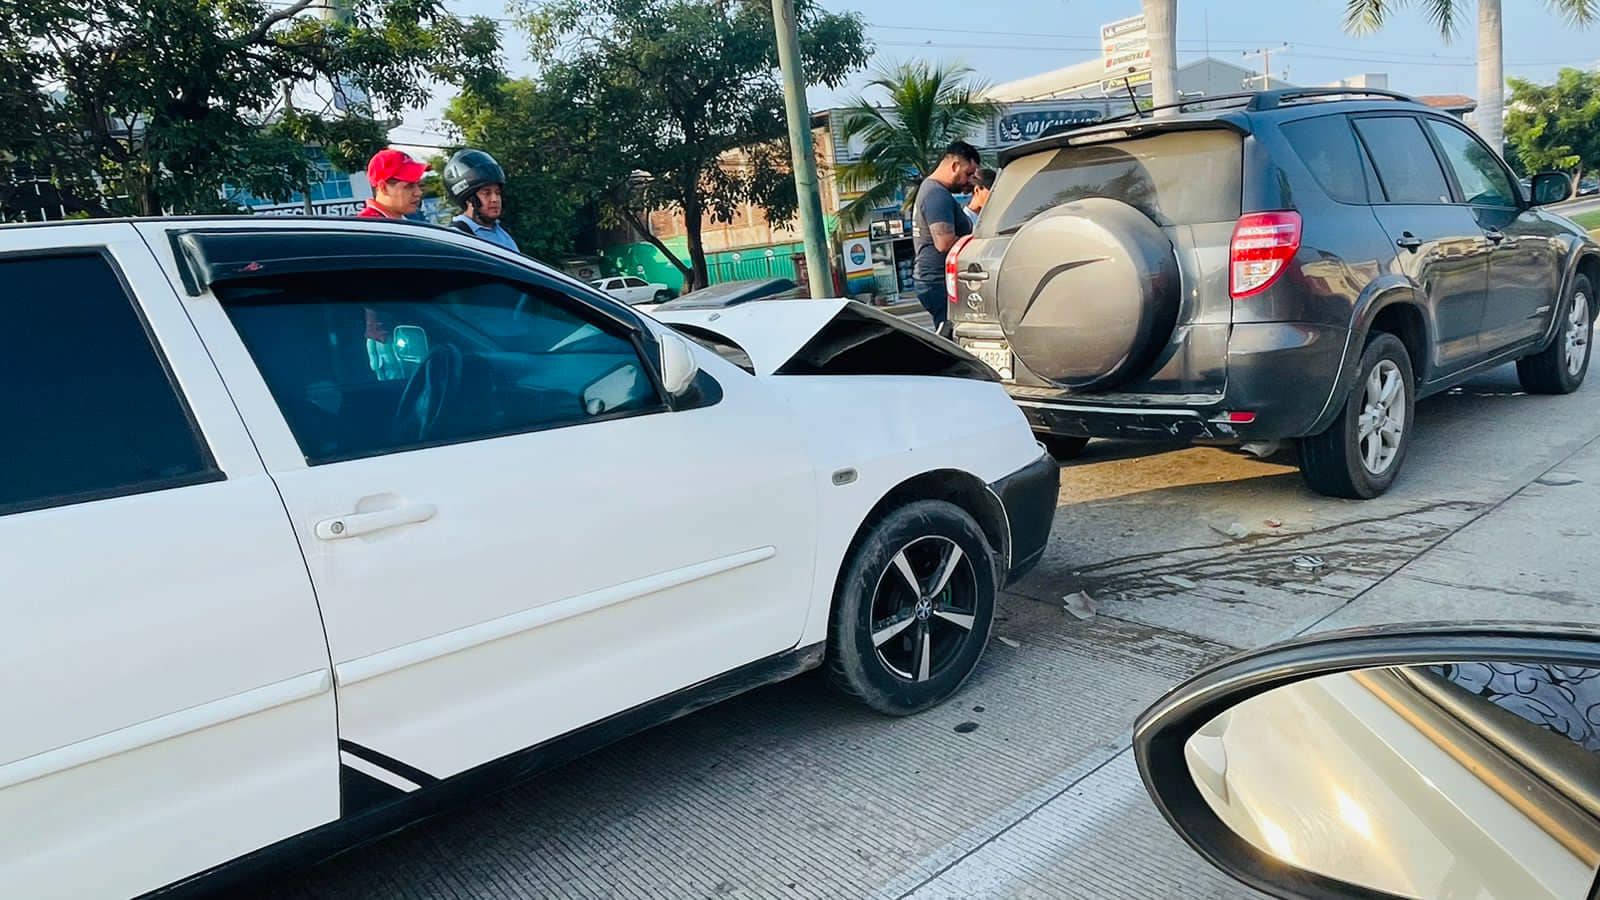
1177, 178
1328, 148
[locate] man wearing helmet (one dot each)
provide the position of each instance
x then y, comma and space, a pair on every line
476, 184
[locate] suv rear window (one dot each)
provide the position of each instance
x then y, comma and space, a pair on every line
1176, 178
1328, 148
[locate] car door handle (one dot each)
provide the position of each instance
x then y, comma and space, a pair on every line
1409, 241
973, 275
352, 525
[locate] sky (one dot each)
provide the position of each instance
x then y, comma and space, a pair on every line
1003, 40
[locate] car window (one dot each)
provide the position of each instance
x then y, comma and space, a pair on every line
1177, 178
1483, 182
1328, 148
91, 411
367, 363
633, 282
1408, 170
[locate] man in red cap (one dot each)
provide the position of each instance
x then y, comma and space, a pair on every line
396, 185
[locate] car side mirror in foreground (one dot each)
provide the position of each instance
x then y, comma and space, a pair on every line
678, 365
1550, 187
1419, 761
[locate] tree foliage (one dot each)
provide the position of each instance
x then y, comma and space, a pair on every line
924, 109
160, 102
1556, 126
683, 85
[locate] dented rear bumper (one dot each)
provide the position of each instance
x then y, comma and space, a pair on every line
1029, 496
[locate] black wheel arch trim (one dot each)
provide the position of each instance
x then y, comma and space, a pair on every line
1582, 250
1382, 293
1162, 731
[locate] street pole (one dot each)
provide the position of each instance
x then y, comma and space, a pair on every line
819, 262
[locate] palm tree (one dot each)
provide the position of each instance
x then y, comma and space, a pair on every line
928, 107
1366, 16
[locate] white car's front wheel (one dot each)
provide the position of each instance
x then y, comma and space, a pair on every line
914, 608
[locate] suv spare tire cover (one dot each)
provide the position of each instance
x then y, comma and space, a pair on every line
1088, 293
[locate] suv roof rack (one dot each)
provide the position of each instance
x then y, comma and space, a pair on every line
1265, 100
1248, 101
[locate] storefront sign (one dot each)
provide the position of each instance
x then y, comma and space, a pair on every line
1025, 126
1125, 46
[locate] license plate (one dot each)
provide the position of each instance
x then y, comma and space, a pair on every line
996, 356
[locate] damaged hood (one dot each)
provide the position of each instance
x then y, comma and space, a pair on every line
826, 337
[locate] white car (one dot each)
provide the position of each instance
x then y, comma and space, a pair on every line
306, 525
634, 291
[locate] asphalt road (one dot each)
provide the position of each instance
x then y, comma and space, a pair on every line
789, 792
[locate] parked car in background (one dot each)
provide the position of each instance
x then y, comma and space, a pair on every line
309, 525
634, 291
1588, 187
729, 293
1300, 264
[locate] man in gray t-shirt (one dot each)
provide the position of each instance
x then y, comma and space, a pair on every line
937, 223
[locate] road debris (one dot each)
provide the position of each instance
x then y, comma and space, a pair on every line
1015, 645
1179, 581
1237, 531
1308, 563
1079, 604
1558, 481
1274, 523
966, 727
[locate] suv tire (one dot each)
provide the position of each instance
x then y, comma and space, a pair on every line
1375, 425
1560, 367
1062, 446
883, 630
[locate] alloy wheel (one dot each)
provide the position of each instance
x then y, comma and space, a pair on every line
925, 609
1383, 417
1577, 336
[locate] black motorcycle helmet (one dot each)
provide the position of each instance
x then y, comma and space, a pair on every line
467, 171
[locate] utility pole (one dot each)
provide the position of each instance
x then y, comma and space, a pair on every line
819, 262
1266, 63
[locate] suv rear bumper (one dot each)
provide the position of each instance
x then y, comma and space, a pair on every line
1284, 373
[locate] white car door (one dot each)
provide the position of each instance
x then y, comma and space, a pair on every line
168, 703
512, 534
638, 291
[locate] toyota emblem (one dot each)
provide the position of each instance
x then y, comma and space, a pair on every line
975, 300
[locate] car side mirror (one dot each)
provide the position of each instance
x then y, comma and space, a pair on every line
679, 367
410, 343
1550, 188
1420, 761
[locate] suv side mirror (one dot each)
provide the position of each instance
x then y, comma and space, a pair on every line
1550, 187
678, 365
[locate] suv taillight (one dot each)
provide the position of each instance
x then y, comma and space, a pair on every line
1262, 244
951, 260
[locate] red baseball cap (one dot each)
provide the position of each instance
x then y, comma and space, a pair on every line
387, 164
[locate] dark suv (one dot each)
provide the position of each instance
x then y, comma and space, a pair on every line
1260, 267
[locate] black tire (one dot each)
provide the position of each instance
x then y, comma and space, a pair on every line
1560, 367
1062, 446
873, 594
663, 296
1333, 462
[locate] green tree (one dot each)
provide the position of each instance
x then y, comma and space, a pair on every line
691, 91
562, 157
164, 101
1556, 126
924, 109
1366, 16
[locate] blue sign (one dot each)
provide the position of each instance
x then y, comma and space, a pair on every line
1025, 126
858, 255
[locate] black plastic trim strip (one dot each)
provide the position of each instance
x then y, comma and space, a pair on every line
404, 770
342, 834
360, 792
